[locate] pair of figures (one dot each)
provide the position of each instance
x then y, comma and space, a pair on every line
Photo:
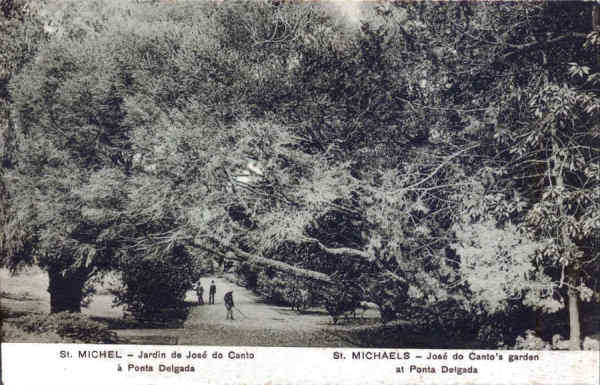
227, 299
211, 293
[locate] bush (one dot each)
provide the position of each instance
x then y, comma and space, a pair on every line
283, 289
531, 342
378, 290
153, 289
341, 300
298, 296
272, 289
472, 325
74, 327
248, 274
11, 333
590, 343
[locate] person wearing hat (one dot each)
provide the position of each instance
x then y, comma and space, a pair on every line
211, 293
200, 293
229, 304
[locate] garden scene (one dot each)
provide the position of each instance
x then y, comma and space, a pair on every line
387, 174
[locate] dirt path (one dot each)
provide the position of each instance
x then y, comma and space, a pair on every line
261, 325
256, 314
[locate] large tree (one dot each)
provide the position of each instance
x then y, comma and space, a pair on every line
73, 183
290, 138
524, 87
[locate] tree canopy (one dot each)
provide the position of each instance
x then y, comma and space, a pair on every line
435, 154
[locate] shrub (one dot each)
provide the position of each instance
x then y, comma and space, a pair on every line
248, 274
590, 343
153, 289
11, 333
451, 319
73, 327
378, 290
272, 289
276, 287
341, 300
531, 342
298, 294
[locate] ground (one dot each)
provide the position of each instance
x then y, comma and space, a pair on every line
255, 322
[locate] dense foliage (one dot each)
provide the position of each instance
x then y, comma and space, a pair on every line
431, 158
72, 327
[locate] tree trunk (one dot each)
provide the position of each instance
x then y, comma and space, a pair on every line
66, 290
574, 324
596, 27
567, 243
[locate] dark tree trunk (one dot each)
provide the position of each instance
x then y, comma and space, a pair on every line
66, 291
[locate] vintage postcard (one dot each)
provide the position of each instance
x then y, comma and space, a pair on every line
296, 191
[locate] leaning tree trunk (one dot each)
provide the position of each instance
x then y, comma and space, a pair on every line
66, 290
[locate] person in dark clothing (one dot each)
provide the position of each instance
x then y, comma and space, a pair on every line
211, 293
200, 293
228, 299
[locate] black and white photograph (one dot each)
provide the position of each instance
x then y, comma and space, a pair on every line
293, 173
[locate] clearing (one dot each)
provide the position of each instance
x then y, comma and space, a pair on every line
261, 324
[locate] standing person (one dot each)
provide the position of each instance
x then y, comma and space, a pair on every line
229, 304
200, 293
211, 293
